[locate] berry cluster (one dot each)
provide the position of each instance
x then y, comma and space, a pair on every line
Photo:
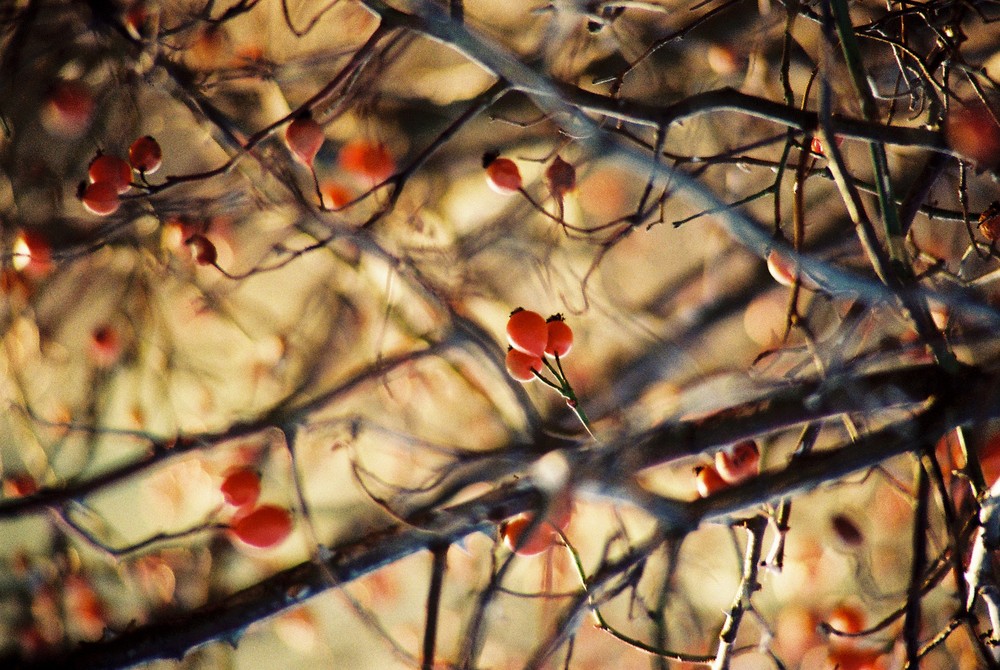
262, 526
110, 177
533, 340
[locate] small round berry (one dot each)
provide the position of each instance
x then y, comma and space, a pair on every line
241, 487
560, 336
335, 196
304, 138
264, 527
782, 270
542, 538
369, 160
100, 198
110, 169
527, 332
503, 176
105, 346
520, 365
560, 177
137, 21
32, 253
707, 481
845, 619
817, 145
202, 249
739, 463
145, 155
68, 110
974, 134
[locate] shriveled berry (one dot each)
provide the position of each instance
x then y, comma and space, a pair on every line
560, 177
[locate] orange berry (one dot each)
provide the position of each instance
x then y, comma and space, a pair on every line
145, 155
264, 527
739, 463
707, 481
974, 134
845, 619
304, 138
110, 169
19, 485
817, 145
520, 365
202, 249
503, 176
543, 537
560, 336
366, 159
100, 198
527, 332
335, 195
241, 487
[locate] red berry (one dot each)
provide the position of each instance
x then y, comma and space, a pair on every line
68, 109
560, 337
543, 537
741, 463
520, 365
366, 159
560, 178
241, 487
105, 346
974, 134
145, 155
202, 249
264, 527
707, 481
304, 138
527, 332
503, 176
19, 485
817, 145
32, 253
100, 198
335, 195
110, 169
